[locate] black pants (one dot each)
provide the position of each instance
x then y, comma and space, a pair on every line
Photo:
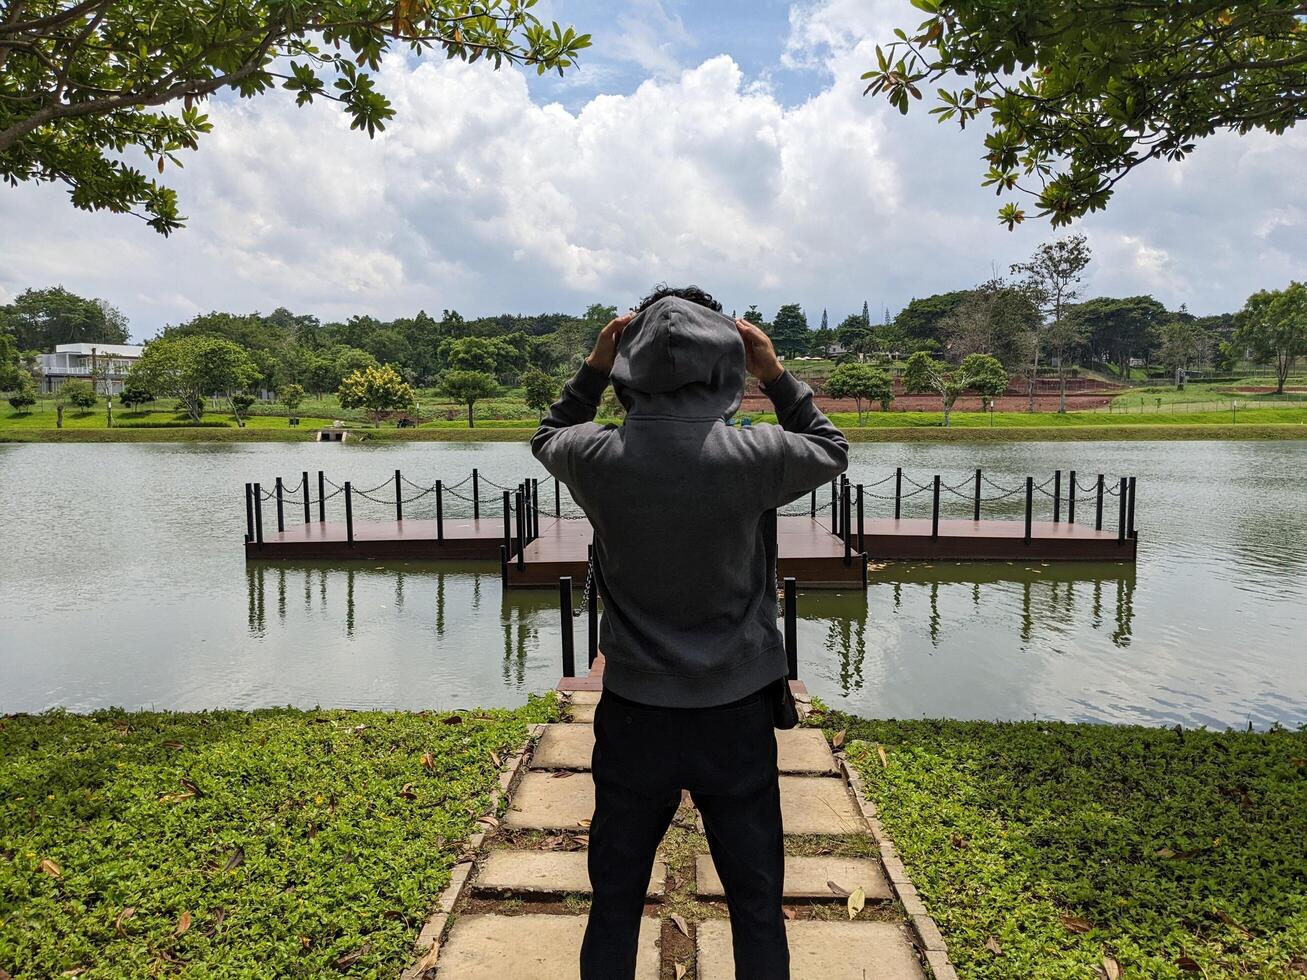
726, 757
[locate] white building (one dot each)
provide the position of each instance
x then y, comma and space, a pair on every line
106, 363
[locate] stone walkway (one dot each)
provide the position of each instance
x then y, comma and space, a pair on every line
516, 906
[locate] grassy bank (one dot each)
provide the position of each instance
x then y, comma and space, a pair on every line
271, 843
1044, 850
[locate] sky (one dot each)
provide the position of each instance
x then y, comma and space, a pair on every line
722, 143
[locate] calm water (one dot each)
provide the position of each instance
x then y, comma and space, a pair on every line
122, 582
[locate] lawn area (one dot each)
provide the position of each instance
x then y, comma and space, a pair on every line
1043, 850
256, 844
43, 416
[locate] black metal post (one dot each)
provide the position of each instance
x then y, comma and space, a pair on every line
845, 522
834, 507
258, 514
898, 492
440, 510
1057, 496
519, 500
476, 495
535, 508
281, 517
975, 508
791, 627
1030, 504
249, 512
1098, 517
565, 609
1130, 512
862, 545
592, 613
558, 498
399, 498
934, 511
307, 512
503, 565
1071, 499
814, 505
349, 514
322, 498
1121, 506
508, 528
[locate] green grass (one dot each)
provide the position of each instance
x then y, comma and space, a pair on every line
43, 416
1174, 854
291, 839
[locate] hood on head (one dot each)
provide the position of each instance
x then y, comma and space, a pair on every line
679, 358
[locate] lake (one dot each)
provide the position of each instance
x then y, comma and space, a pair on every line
123, 582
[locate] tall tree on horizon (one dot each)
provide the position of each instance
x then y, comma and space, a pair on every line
1053, 275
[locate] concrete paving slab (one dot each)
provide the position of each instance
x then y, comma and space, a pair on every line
564, 747
547, 872
799, 750
807, 877
583, 712
545, 802
804, 750
586, 697
529, 947
818, 805
820, 951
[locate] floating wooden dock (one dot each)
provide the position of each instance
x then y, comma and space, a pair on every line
536, 549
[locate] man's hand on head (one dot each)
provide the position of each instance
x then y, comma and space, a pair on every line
760, 358
605, 349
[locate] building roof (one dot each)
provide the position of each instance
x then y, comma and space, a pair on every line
109, 350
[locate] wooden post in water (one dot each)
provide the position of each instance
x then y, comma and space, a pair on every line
975, 509
565, 609
258, 514
476, 495
1057, 496
934, 511
399, 498
592, 611
1130, 520
440, 511
322, 498
349, 513
1098, 516
249, 513
308, 514
1121, 506
862, 546
281, 517
1030, 504
503, 565
898, 492
791, 628
1071, 499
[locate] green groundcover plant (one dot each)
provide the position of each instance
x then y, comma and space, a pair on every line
1048, 850
273, 843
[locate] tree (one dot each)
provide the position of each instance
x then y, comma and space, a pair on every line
1273, 326
489, 355
789, 331
1184, 344
1080, 93
191, 368
861, 382
852, 332
751, 315
1119, 329
980, 372
22, 394
1052, 275
240, 404
923, 319
78, 394
12, 375
39, 319
132, 396
468, 388
85, 80
378, 390
541, 389
291, 395
997, 318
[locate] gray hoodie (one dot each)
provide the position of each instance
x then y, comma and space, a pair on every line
679, 501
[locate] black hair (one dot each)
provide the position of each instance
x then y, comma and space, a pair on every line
692, 293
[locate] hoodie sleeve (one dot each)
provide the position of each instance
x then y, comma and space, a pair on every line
565, 426
815, 452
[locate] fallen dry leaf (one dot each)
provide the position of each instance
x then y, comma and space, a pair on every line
584, 822
489, 820
51, 868
837, 739
857, 901
495, 758
841, 892
183, 924
1111, 969
1233, 923
407, 792
992, 945
123, 916
453, 720
427, 761
177, 797
349, 959
1188, 964
679, 922
790, 913
235, 861
1076, 924
680, 970
175, 746
884, 759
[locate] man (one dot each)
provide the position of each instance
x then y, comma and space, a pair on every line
679, 502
